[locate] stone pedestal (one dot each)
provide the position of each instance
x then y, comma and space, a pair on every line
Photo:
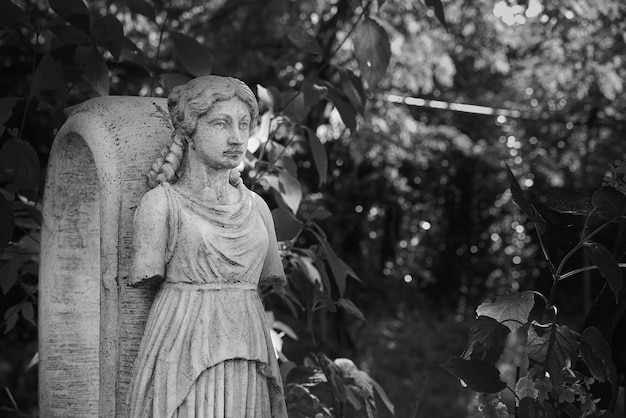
90, 320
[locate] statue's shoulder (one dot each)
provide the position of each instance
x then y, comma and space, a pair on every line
259, 202
155, 201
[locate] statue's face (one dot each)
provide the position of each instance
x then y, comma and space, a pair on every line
221, 136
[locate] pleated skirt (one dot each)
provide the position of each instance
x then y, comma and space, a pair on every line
231, 389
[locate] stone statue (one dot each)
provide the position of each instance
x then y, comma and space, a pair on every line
207, 241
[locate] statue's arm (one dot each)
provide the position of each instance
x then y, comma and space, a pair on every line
273, 272
150, 237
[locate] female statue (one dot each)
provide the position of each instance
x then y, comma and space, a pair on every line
206, 350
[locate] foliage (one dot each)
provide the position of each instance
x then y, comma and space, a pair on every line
556, 367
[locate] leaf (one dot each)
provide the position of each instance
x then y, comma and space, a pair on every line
131, 53
313, 93
73, 11
352, 86
10, 316
372, 50
171, 80
28, 312
609, 204
97, 72
606, 263
486, 341
320, 213
525, 388
320, 158
7, 222
290, 190
33, 362
338, 269
438, 9
287, 225
194, 57
538, 220
349, 306
478, 375
511, 310
270, 97
530, 408
383, 396
552, 356
19, 164
348, 115
8, 275
293, 104
13, 16
109, 33
48, 76
141, 7
6, 110
518, 195
596, 353
303, 40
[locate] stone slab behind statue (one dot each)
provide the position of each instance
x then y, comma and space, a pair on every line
90, 320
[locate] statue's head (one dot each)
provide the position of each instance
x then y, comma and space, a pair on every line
187, 103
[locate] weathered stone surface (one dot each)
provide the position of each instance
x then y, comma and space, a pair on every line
90, 321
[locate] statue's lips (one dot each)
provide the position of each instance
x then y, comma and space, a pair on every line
233, 153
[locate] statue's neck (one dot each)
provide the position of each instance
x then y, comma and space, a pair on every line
207, 183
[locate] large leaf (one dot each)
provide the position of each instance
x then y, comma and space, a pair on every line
609, 204
7, 222
372, 50
97, 72
552, 346
303, 40
193, 56
13, 16
486, 341
287, 226
596, 353
6, 110
606, 263
48, 76
73, 11
290, 190
8, 275
19, 164
510, 310
319, 155
348, 115
438, 9
478, 375
109, 33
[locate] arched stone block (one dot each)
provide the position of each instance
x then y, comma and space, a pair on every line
90, 320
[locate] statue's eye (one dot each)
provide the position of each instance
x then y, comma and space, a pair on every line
220, 124
244, 126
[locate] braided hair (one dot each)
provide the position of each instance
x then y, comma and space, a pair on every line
186, 104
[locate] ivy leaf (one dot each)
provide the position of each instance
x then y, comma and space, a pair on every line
349, 306
609, 204
7, 222
141, 7
109, 33
97, 72
372, 50
348, 115
525, 388
606, 263
194, 57
13, 16
478, 375
438, 9
287, 226
19, 164
552, 356
6, 110
511, 310
72, 11
486, 341
304, 41
8, 275
596, 354
530, 408
319, 155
